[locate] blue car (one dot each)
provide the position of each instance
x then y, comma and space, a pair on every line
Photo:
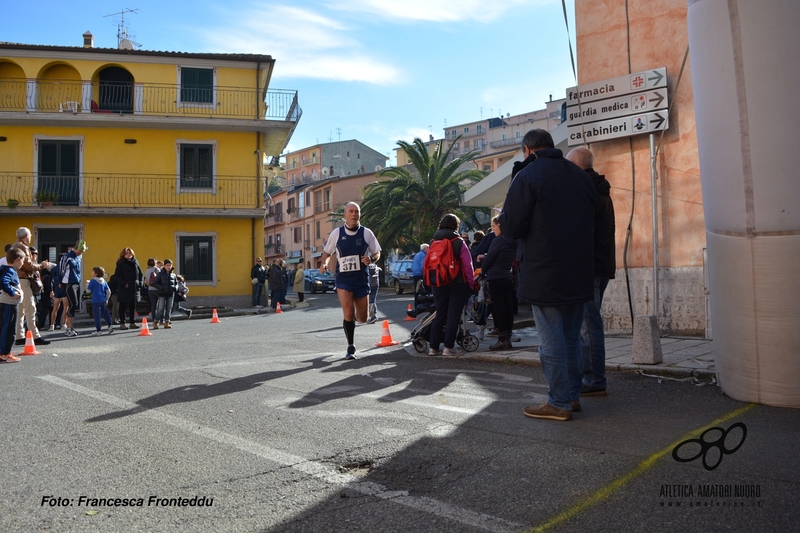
315, 281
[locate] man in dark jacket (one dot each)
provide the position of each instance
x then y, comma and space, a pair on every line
552, 205
593, 342
276, 283
258, 276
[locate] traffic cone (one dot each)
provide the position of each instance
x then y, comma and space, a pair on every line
30, 347
145, 331
387, 339
408, 314
214, 317
278, 308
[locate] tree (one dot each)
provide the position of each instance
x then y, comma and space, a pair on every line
406, 209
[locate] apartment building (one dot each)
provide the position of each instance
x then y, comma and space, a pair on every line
158, 151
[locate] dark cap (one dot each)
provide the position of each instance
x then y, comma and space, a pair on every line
33, 250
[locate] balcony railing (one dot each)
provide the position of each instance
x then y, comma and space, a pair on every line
85, 97
507, 142
131, 190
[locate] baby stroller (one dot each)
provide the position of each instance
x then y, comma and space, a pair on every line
421, 335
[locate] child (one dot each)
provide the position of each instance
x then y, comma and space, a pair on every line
10, 296
180, 296
101, 293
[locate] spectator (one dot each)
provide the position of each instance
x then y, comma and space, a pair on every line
593, 342
374, 284
276, 283
416, 269
129, 281
180, 297
10, 296
299, 281
496, 268
552, 206
153, 266
451, 298
58, 316
101, 294
167, 284
28, 277
258, 277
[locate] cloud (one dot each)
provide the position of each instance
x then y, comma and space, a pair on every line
436, 11
304, 44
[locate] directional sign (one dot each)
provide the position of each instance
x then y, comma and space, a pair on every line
617, 107
617, 127
622, 85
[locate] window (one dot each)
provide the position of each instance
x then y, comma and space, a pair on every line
466, 130
518, 135
487, 167
453, 134
317, 201
297, 234
301, 204
59, 172
196, 259
466, 145
197, 85
326, 206
479, 128
317, 229
505, 137
197, 165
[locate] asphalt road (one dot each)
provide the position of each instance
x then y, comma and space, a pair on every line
262, 421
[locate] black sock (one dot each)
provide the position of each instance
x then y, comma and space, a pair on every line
349, 330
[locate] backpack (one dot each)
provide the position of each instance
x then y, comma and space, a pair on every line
442, 264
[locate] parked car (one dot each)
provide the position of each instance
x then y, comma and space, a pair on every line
315, 281
401, 276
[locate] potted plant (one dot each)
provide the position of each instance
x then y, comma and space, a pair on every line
269, 246
290, 210
12, 203
45, 197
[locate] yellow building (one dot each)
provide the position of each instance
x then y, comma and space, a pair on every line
158, 151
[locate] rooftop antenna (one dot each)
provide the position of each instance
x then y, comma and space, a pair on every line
124, 38
339, 133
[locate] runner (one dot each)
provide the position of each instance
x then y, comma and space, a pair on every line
355, 247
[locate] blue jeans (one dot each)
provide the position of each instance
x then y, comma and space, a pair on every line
258, 288
164, 309
593, 342
559, 330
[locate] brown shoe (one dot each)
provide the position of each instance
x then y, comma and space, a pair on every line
548, 412
576, 407
155, 325
168, 325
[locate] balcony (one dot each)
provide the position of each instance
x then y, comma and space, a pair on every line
508, 142
274, 217
131, 191
87, 98
310, 161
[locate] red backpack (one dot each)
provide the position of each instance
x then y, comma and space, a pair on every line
442, 264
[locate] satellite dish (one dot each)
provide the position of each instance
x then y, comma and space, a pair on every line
125, 44
378, 168
325, 171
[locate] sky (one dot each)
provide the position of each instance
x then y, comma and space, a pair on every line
377, 71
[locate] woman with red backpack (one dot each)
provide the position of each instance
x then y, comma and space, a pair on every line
448, 270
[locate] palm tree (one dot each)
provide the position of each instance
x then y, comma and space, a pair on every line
406, 209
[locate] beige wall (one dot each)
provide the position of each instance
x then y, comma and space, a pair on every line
658, 38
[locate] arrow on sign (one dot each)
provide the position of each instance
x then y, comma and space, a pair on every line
658, 100
658, 77
659, 119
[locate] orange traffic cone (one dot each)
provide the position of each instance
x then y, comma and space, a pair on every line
30, 347
145, 331
214, 317
278, 308
408, 314
386, 339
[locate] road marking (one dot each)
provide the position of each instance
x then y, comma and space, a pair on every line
320, 471
605, 492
